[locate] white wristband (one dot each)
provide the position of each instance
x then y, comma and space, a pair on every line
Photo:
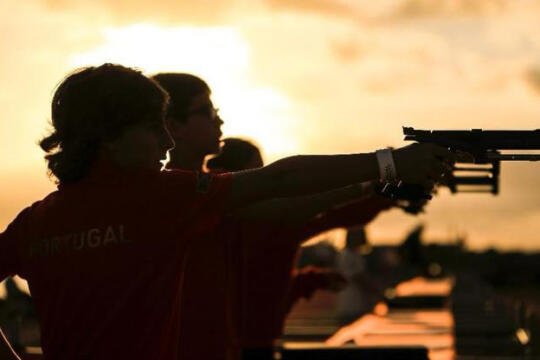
387, 168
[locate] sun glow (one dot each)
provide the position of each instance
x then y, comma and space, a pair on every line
221, 56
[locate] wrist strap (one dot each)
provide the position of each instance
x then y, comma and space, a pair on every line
387, 168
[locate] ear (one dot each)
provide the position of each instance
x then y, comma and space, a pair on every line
176, 128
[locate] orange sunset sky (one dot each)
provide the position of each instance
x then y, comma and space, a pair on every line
300, 76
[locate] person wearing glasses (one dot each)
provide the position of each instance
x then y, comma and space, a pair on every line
233, 287
192, 120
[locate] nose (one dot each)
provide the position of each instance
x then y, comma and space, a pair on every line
219, 123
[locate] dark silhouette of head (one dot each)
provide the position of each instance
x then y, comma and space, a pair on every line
236, 155
95, 106
191, 117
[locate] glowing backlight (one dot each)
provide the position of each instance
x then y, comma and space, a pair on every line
221, 56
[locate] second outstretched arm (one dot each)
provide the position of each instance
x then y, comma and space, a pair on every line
309, 174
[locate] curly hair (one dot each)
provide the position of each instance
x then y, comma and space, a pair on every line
94, 105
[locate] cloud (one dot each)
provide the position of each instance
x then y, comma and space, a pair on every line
430, 8
347, 50
200, 12
219, 11
31, 65
532, 76
323, 7
384, 10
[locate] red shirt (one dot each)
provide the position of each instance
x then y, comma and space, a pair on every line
269, 287
105, 259
267, 261
209, 329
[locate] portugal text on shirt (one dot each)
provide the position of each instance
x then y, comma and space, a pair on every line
79, 241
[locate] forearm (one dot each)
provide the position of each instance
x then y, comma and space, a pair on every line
357, 213
301, 175
314, 205
6, 352
298, 210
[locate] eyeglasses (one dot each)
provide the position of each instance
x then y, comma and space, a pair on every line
206, 110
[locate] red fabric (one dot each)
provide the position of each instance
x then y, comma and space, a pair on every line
356, 213
267, 262
268, 286
31, 357
105, 258
209, 329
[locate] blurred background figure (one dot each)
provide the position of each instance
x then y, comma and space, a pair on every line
413, 253
355, 299
18, 317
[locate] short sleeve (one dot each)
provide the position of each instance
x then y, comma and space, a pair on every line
214, 188
194, 201
198, 190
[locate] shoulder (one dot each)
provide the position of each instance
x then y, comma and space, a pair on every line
19, 220
28, 212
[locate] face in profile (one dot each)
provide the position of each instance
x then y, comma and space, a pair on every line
142, 146
202, 128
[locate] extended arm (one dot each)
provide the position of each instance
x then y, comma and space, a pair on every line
301, 209
303, 175
357, 213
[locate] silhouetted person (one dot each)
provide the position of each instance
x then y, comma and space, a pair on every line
16, 310
356, 299
270, 283
195, 124
213, 274
413, 254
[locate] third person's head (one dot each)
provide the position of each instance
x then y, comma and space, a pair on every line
236, 155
